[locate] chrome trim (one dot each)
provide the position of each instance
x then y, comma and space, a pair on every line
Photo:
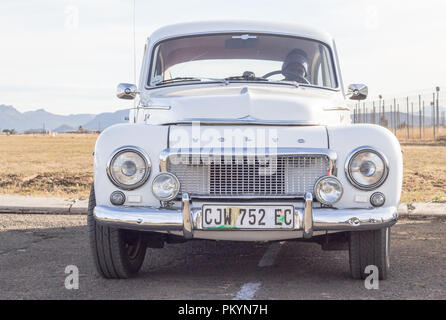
142, 154
126, 91
187, 224
140, 218
156, 107
357, 92
297, 196
120, 193
317, 195
332, 49
251, 151
332, 160
323, 219
217, 121
166, 153
337, 109
308, 216
375, 193
379, 154
354, 219
176, 191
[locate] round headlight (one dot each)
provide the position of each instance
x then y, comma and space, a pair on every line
367, 169
165, 186
328, 190
129, 168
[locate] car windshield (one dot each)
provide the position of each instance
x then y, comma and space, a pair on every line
242, 57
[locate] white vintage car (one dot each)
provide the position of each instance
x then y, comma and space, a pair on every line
242, 133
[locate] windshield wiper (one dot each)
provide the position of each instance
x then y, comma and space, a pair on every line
246, 78
177, 79
251, 78
226, 80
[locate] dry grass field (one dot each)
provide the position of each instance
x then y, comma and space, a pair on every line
415, 135
61, 166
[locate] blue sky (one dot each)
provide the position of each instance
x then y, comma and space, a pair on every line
68, 56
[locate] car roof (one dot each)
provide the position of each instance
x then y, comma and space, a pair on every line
220, 26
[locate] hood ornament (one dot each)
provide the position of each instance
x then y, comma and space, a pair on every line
247, 118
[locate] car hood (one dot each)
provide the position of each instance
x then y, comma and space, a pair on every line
243, 104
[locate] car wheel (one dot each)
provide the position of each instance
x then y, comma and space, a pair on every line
117, 253
369, 248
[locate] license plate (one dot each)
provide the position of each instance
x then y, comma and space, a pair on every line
225, 217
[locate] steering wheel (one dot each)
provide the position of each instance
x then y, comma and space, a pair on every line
285, 73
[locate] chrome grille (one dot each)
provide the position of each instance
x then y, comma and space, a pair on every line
245, 176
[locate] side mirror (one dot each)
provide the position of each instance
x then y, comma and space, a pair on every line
357, 91
126, 91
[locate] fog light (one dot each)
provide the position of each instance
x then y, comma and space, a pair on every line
328, 190
377, 199
165, 186
117, 198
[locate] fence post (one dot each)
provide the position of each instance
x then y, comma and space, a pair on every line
433, 114
394, 115
391, 118
419, 113
424, 125
365, 113
379, 109
438, 110
407, 118
413, 123
384, 114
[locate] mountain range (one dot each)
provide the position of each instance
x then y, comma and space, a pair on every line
11, 118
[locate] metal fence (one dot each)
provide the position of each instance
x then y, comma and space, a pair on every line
419, 116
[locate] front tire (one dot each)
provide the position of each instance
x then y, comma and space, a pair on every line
117, 253
369, 248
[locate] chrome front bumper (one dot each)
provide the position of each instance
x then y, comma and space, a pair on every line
186, 220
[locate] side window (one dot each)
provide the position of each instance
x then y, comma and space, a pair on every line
157, 72
317, 80
327, 78
322, 74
